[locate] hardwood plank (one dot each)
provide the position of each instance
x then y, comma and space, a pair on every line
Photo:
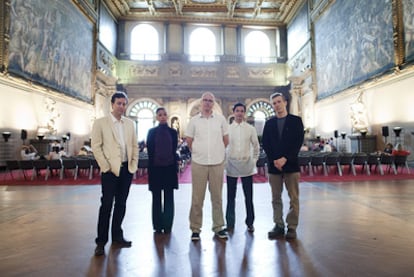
346, 229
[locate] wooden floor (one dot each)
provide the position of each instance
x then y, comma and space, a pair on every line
346, 229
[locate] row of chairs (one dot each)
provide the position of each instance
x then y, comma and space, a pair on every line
314, 161
33, 168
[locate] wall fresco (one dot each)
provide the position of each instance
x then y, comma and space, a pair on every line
51, 43
408, 15
353, 42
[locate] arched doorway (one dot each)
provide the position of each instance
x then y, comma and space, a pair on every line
143, 112
257, 114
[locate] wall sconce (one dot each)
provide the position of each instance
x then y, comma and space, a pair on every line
397, 131
363, 132
6, 136
343, 135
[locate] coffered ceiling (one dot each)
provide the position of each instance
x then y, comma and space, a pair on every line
255, 12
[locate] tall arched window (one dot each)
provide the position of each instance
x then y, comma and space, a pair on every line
202, 45
145, 43
257, 47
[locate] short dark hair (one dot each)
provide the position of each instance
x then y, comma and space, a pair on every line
160, 109
239, 105
275, 94
118, 94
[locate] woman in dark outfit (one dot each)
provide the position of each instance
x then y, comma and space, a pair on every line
162, 144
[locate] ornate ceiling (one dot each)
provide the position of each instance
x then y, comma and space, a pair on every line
255, 12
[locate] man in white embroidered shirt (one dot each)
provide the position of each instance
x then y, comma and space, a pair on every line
242, 154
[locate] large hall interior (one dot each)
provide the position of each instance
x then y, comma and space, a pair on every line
346, 68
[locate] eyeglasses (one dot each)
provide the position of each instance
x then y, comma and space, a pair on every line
208, 100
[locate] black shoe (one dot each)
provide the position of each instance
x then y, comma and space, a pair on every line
158, 231
122, 243
276, 232
195, 237
222, 234
230, 229
100, 250
250, 228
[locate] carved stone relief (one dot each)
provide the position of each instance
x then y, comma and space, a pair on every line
175, 70
232, 72
260, 73
143, 71
203, 72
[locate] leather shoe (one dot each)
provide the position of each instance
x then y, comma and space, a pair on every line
122, 243
99, 250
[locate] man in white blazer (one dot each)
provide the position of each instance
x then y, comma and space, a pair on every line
115, 147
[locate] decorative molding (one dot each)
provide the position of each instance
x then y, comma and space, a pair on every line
260, 73
4, 34
232, 72
203, 72
175, 70
143, 71
398, 31
319, 8
106, 62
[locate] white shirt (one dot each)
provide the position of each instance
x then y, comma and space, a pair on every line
207, 134
27, 156
327, 148
242, 151
119, 127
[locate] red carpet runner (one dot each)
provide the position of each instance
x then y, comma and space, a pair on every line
185, 178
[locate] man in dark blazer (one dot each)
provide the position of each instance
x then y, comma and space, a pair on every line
115, 148
282, 139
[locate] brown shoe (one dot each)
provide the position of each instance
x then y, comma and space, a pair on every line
291, 234
99, 250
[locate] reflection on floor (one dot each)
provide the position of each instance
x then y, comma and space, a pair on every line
346, 229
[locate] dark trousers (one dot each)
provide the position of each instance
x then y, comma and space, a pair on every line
162, 211
113, 188
247, 184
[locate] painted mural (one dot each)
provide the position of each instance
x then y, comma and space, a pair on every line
298, 32
51, 43
408, 14
353, 42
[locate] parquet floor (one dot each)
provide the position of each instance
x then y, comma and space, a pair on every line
346, 229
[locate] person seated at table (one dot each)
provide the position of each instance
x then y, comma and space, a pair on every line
82, 151
304, 147
388, 148
62, 153
54, 154
29, 152
400, 151
326, 146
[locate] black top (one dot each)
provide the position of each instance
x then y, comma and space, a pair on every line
285, 145
162, 174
